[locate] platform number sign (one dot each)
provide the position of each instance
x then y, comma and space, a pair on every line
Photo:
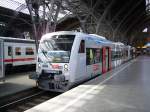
1, 60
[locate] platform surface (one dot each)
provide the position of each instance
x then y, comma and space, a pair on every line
16, 83
124, 89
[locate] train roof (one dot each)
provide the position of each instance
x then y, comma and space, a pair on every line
16, 40
98, 36
71, 33
118, 43
47, 36
93, 37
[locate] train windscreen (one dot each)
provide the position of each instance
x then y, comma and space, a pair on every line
58, 56
58, 48
60, 42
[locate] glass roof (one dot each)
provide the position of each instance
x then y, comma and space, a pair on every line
20, 6
17, 5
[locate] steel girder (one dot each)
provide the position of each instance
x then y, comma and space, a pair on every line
98, 16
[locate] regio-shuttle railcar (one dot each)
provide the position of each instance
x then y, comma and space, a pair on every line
120, 53
15, 52
68, 58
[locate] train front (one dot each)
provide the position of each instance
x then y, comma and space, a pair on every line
53, 62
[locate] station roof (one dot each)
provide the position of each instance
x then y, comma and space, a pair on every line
17, 5
14, 18
14, 13
21, 6
124, 17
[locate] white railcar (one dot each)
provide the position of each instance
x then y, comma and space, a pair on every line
117, 54
16, 52
67, 58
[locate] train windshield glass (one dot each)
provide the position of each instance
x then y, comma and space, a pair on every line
58, 56
61, 44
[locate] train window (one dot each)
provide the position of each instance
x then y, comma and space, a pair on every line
97, 55
29, 51
9, 51
101, 55
89, 56
18, 51
126, 52
118, 54
93, 56
82, 47
60, 42
114, 55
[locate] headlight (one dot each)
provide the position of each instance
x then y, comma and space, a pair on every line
65, 69
39, 65
66, 66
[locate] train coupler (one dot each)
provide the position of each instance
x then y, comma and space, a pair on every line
33, 76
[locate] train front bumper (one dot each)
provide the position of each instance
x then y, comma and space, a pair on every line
33, 76
51, 85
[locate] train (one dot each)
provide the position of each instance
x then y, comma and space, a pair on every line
16, 52
67, 58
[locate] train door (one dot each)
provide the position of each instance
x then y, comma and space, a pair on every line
110, 63
9, 55
2, 74
106, 59
103, 60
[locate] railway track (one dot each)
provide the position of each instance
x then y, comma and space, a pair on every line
25, 100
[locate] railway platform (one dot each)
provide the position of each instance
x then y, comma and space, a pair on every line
124, 89
15, 83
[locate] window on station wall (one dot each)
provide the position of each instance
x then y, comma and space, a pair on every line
82, 47
9, 51
29, 51
18, 51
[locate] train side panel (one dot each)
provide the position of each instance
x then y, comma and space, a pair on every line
17, 54
8, 54
90, 56
2, 75
93, 58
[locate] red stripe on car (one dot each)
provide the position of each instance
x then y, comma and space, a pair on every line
18, 59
